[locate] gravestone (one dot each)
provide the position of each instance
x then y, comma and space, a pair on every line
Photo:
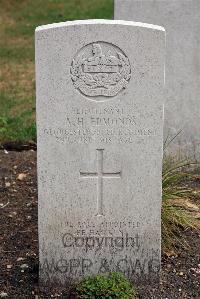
181, 20
100, 134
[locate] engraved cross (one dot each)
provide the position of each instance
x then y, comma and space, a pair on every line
100, 175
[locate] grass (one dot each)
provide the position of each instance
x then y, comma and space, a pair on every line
18, 20
102, 286
177, 205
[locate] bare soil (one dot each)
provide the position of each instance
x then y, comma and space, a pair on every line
180, 277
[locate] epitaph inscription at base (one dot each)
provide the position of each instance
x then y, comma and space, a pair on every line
99, 125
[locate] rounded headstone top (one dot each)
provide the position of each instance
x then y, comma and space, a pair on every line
99, 22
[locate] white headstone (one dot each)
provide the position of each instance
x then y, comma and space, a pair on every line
181, 19
100, 134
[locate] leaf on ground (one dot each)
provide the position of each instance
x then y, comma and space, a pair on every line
21, 176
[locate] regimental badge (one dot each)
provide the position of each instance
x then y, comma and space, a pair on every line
100, 69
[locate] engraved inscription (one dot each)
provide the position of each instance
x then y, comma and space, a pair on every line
111, 124
100, 175
100, 69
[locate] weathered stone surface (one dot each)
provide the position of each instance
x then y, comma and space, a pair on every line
100, 135
181, 19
